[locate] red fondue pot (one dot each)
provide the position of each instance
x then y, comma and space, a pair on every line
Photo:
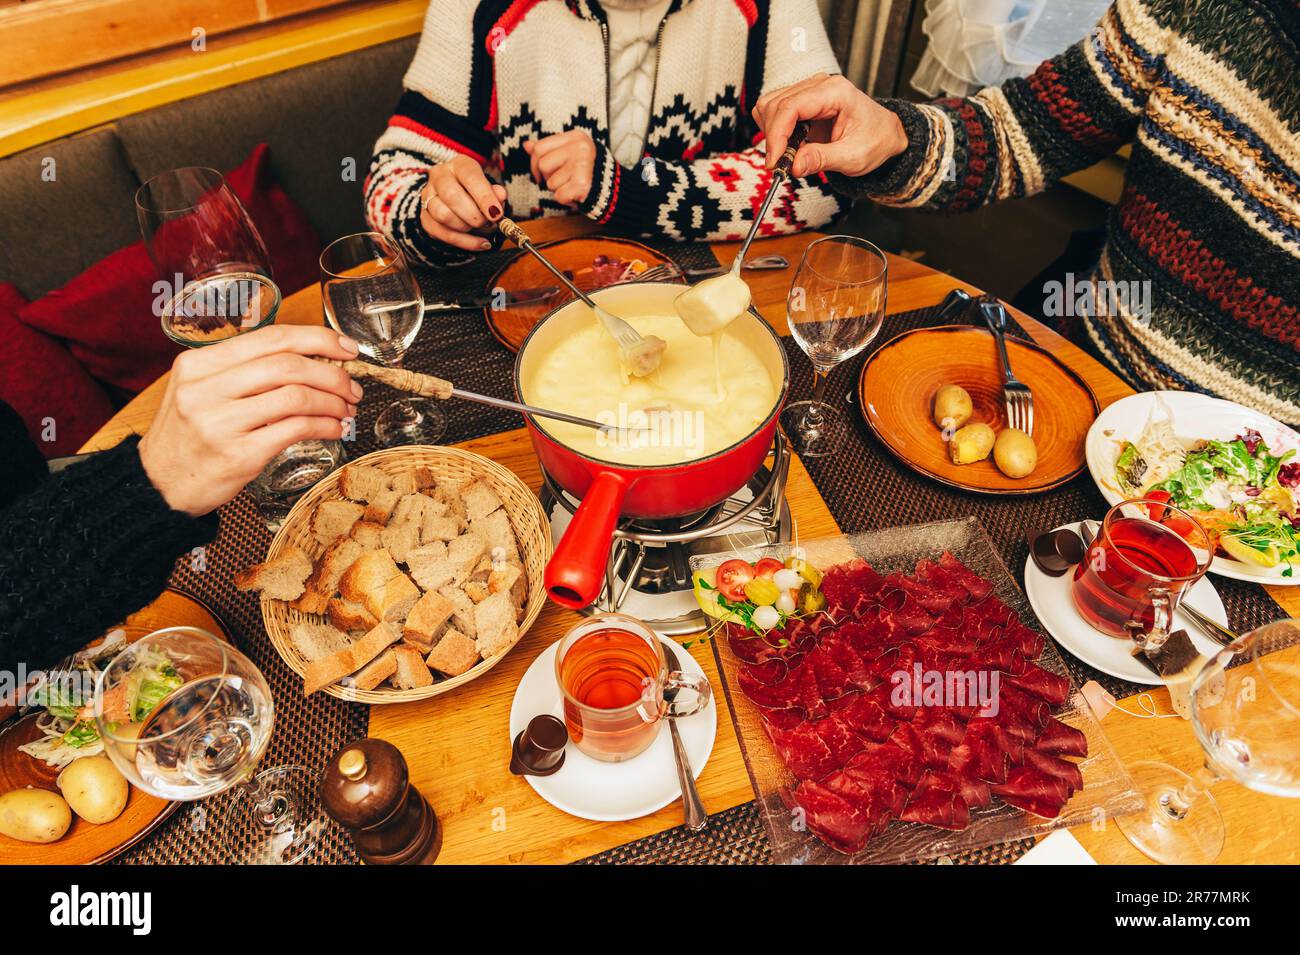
609, 490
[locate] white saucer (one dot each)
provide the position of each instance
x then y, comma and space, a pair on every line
612, 792
1051, 600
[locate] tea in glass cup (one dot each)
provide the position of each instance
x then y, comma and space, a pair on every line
614, 679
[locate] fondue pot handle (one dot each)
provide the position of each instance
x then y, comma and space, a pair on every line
576, 571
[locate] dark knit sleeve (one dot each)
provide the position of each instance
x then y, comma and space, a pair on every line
89, 546
1017, 139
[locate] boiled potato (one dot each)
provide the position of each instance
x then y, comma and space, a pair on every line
94, 789
971, 443
1014, 453
952, 406
34, 815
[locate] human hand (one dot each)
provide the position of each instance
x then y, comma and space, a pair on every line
231, 407
458, 199
849, 132
564, 163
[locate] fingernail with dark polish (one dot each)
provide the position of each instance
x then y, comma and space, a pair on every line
494, 212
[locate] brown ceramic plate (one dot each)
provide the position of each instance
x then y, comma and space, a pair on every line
576, 256
897, 390
85, 843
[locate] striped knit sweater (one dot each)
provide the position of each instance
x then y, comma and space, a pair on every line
1208, 93
490, 74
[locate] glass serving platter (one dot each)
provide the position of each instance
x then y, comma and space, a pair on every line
1108, 789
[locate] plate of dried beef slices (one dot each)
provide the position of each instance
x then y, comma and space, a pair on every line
846, 771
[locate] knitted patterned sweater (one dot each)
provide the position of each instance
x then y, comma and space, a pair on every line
79, 550
1204, 245
490, 74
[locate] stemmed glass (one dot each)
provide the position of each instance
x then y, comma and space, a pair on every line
1247, 719
183, 716
371, 295
835, 307
203, 242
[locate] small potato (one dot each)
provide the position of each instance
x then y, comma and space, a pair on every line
94, 789
971, 443
952, 407
34, 815
1014, 453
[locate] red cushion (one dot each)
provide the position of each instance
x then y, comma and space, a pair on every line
106, 315
54, 395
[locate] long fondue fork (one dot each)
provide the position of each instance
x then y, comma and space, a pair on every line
641, 355
431, 386
780, 173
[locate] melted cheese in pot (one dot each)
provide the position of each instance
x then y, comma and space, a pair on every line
680, 402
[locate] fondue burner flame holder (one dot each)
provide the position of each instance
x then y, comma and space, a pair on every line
653, 556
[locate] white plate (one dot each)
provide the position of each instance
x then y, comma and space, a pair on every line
612, 792
1051, 600
1195, 416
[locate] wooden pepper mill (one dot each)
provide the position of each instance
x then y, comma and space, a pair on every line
366, 789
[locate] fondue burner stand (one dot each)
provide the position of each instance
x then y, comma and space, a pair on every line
649, 574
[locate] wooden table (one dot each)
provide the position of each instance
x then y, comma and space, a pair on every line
491, 816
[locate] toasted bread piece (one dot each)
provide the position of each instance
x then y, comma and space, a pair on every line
454, 654
444, 527
480, 499
284, 578
324, 581
321, 673
315, 641
401, 537
495, 626
476, 590
405, 483
425, 478
504, 579
380, 508
368, 573
426, 619
394, 599
333, 519
497, 530
448, 491
362, 482
481, 570
350, 617
368, 534
462, 617
430, 567
375, 672
412, 671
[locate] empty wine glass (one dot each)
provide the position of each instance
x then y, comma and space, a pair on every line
370, 295
184, 715
209, 253
1245, 706
835, 307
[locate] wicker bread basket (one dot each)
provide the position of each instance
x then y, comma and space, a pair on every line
532, 530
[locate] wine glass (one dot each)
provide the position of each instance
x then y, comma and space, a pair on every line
204, 244
1247, 719
184, 715
835, 307
370, 295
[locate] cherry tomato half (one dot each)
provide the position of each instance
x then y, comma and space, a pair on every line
731, 578
767, 567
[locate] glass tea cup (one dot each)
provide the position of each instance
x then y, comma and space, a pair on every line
1145, 557
616, 686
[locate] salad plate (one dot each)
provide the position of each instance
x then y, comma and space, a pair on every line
1235, 469
611, 792
85, 843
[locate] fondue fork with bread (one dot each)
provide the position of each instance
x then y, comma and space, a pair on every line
431, 386
639, 355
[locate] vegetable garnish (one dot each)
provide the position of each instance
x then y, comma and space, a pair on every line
760, 597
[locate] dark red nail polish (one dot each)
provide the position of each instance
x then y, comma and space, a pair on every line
494, 212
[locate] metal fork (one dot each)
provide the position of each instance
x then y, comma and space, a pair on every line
1017, 395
